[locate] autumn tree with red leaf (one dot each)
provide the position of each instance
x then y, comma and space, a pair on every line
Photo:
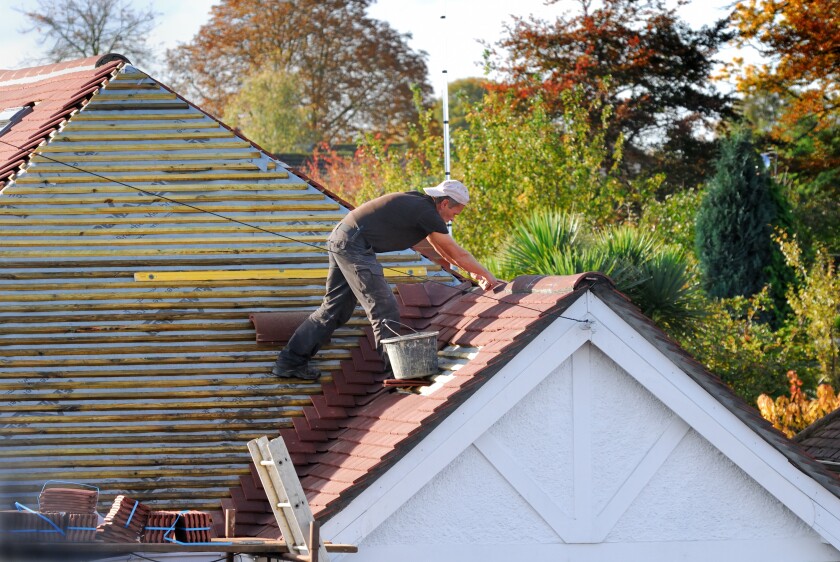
653, 68
355, 73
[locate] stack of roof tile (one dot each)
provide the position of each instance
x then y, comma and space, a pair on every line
28, 526
160, 526
68, 500
125, 522
81, 527
193, 527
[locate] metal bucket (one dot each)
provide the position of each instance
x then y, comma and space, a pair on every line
413, 356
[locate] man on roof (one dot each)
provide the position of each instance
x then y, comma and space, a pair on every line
392, 222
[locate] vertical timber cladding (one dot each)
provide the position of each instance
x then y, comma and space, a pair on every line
152, 388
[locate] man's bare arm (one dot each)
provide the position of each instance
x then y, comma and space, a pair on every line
452, 252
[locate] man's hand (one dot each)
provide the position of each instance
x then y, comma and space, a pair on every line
486, 282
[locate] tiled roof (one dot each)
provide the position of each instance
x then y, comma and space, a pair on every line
127, 358
55, 92
358, 428
822, 440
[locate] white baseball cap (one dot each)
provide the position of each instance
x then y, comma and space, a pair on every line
450, 188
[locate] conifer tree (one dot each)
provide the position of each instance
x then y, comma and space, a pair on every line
734, 229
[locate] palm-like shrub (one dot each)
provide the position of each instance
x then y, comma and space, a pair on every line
656, 277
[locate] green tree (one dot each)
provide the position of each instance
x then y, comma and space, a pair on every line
652, 69
84, 28
355, 72
734, 230
268, 111
515, 157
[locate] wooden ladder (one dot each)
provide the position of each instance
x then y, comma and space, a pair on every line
288, 502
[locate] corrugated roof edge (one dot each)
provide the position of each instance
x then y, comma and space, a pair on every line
710, 382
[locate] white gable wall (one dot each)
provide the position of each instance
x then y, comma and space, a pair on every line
588, 465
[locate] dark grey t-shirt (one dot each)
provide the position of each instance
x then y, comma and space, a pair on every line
397, 221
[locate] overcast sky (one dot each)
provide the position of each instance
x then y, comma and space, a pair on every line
452, 43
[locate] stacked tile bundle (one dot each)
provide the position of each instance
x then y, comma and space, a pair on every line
125, 522
79, 507
160, 526
81, 527
68, 500
193, 527
29, 526
178, 526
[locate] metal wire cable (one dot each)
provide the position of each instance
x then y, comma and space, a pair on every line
279, 234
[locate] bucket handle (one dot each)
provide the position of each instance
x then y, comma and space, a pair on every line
385, 323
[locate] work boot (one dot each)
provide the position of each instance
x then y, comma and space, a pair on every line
304, 372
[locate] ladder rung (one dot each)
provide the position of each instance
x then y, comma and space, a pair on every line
284, 505
267, 463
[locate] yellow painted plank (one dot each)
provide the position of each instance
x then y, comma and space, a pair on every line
193, 396
124, 126
122, 433
199, 218
128, 451
76, 145
101, 137
134, 85
259, 274
74, 177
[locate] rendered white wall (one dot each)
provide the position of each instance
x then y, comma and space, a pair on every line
695, 504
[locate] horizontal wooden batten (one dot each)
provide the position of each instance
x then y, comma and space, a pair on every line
76, 146
143, 135
151, 252
109, 105
144, 417
146, 407
61, 167
29, 179
41, 189
169, 125
91, 233
148, 116
220, 449
127, 434
93, 475
197, 200
107, 96
118, 157
304, 220
167, 207
112, 461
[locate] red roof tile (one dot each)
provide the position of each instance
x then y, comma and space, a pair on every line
378, 426
54, 91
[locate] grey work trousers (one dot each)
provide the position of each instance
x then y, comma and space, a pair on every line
355, 276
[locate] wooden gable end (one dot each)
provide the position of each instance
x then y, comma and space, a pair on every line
128, 270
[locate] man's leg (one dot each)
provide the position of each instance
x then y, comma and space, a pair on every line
335, 310
367, 281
